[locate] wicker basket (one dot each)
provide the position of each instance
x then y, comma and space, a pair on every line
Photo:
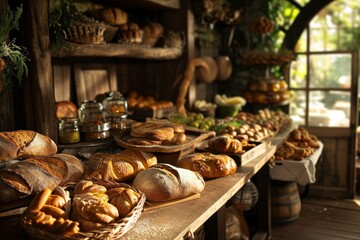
88, 33
110, 231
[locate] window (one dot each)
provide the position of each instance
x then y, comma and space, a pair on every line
320, 77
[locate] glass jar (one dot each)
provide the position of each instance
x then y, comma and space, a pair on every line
96, 132
69, 130
116, 105
91, 113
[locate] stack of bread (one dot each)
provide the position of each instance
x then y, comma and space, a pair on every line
37, 165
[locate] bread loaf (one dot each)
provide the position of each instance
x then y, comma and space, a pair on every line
208, 165
119, 166
163, 182
66, 109
25, 143
225, 144
152, 32
30, 176
114, 16
124, 199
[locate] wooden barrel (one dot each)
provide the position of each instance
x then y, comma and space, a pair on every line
285, 201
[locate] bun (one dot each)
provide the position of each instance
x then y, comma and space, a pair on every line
25, 143
32, 175
152, 32
208, 165
124, 199
225, 144
66, 109
119, 166
163, 182
114, 16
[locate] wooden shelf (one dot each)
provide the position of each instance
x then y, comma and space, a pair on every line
116, 50
148, 5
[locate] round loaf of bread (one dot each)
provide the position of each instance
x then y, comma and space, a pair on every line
163, 182
209, 165
114, 16
66, 109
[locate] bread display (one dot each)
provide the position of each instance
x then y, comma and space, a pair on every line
30, 176
208, 165
94, 206
163, 182
225, 144
25, 143
119, 166
299, 145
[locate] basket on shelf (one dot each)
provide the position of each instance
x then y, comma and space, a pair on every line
111, 231
86, 33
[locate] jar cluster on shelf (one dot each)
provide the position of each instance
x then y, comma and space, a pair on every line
267, 91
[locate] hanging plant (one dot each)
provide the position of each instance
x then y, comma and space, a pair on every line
12, 57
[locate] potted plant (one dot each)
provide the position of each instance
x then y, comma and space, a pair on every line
12, 57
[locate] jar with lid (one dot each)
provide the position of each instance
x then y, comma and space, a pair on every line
116, 107
69, 130
91, 113
93, 124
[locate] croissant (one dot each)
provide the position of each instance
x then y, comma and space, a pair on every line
124, 199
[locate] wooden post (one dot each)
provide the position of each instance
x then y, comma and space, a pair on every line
40, 96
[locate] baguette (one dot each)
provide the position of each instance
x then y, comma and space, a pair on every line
25, 143
163, 182
208, 165
32, 175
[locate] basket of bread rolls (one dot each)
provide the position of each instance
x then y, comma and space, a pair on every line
84, 210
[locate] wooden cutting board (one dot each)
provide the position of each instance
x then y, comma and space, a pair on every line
150, 205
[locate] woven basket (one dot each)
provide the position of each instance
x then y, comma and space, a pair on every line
110, 231
88, 33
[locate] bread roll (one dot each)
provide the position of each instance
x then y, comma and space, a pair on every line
208, 165
25, 143
114, 16
163, 182
225, 144
152, 32
32, 175
66, 109
119, 166
124, 199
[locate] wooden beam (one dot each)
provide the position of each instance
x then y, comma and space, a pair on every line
41, 87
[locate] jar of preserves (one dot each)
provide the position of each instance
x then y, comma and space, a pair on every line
91, 113
95, 132
69, 130
116, 105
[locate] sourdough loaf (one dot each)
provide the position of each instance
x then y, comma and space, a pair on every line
120, 166
28, 177
208, 165
163, 182
25, 143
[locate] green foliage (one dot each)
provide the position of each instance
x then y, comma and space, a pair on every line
13, 55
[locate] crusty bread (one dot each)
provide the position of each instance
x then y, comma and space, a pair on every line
163, 182
25, 143
32, 175
208, 165
119, 166
152, 32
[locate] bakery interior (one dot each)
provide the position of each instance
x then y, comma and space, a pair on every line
169, 119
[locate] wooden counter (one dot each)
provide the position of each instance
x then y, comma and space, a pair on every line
182, 219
